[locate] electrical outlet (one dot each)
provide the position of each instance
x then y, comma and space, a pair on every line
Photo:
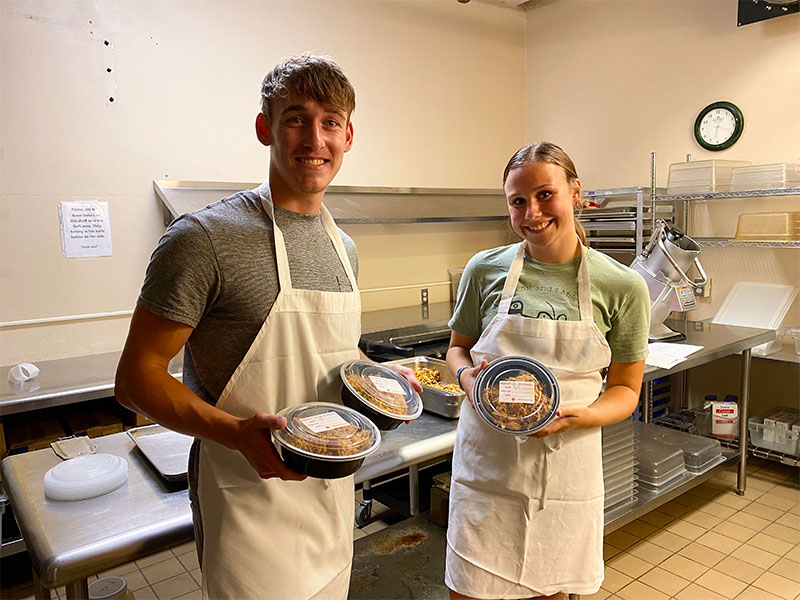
702, 291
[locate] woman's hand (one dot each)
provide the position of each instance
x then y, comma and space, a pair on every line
580, 417
468, 377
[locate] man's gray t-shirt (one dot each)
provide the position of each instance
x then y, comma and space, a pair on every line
215, 270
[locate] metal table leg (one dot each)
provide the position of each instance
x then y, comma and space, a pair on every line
744, 413
39, 591
78, 590
647, 401
413, 490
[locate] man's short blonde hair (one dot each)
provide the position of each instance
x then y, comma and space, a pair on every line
311, 77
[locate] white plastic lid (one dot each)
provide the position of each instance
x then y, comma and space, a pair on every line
85, 477
108, 588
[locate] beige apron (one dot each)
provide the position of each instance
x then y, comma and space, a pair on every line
526, 514
272, 538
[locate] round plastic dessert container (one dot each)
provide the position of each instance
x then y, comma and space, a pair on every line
325, 440
379, 393
516, 394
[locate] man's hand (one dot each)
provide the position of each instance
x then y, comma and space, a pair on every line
407, 374
254, 442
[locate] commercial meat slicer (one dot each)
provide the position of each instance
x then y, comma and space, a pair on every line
664, 263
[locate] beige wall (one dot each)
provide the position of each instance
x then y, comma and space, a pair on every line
429, 77
614, 81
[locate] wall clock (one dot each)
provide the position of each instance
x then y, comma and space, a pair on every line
718, 126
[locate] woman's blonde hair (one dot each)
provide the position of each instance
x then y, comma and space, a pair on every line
549, 153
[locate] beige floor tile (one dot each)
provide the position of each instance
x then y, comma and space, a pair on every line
610, 551
703, 519
664, 581
739, 569
684, 567
719, 542
770, 544
674, 509
629, 565
374, 527
763, 511
154, 558
620, 539
732, 530
750, 521
690, 500
755, 556
668, 540
702, 555
196, 594
787, 492
146, 593
614, 580
696, 592
650, 552
174, 587
189, 561
718, 509
760, 485
778, 585
120, 571
783, 532
163, 570
358, 534
135, 580
787, 568
723, 584
705, 490
774, 500
790, 520
793, 554
639, 528
733, 500
184, 548
753, 593
197, 576
636, 590
657, 518
601, 594
685, 529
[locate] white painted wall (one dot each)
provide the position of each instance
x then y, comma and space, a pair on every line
440, 103
613, 81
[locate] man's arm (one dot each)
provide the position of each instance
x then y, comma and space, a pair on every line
143, 384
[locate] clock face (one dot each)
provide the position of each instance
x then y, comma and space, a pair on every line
718, 126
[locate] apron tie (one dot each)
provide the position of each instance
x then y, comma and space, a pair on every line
550, 446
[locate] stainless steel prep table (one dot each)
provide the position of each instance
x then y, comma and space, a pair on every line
69, 541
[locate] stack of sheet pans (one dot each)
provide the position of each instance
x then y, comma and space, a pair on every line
619, 465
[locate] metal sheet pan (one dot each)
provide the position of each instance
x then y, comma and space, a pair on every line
167, 450
439, 402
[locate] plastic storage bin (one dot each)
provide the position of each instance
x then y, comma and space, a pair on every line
777, 429
757, 177
781, 226
701, 176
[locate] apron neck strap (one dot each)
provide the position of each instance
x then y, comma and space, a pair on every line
512, 279
282, 258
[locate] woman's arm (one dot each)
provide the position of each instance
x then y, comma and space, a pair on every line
617, 402
458, 356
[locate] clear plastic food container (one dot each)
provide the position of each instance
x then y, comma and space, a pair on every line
516, 395
325, 440
380, 393
777, 429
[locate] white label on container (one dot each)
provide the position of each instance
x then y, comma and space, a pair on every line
324, 422
724, 419
384, 384
517, 391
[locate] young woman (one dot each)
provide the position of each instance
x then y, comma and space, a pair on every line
526, 514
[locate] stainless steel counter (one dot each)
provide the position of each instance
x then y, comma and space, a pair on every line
69, 541
66, 381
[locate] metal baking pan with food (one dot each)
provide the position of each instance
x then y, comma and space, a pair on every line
167, 450
438, 402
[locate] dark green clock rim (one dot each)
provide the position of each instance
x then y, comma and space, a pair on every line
737, 131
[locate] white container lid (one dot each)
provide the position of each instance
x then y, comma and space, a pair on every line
772, 300
85, 477
108, 588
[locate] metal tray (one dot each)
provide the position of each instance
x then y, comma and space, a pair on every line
167, 450
439, 402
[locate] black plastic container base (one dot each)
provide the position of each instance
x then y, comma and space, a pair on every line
381, 421
318, 468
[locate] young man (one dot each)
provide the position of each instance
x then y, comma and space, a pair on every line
245, 285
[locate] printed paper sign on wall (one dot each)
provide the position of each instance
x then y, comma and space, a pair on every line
85, 229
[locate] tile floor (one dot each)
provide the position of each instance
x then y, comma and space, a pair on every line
708, 544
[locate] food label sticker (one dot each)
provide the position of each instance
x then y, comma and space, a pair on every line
324, 422
517, 391
384, 384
